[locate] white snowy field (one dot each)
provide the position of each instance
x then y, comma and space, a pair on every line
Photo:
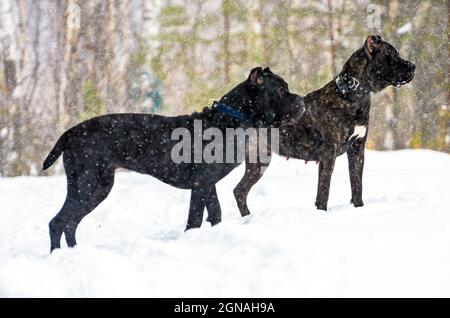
133, 244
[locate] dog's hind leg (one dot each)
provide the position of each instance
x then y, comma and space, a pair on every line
92, 191
213, 208
70, 207
253, 172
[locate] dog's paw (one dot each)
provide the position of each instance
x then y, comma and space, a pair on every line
321, 206
357, 203
247, 219
213, 221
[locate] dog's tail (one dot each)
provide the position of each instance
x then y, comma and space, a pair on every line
56, 151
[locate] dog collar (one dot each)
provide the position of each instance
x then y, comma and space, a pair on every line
232, 112
346, 84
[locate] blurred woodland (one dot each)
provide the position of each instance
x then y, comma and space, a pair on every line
63, 61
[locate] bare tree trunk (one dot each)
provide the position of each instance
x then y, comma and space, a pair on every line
20, 37
264, 36
446, 121
34, 79
10, 73
99, 47
71, 86
250, 43
226, 40
18, 166
6, 128
397, 141
331, 37
8, 84
339, 29
109, 58
448, 56
283, 24
57, 64
125, 48
393, 130
424, 102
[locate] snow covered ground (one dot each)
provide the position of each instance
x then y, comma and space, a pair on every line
133, 244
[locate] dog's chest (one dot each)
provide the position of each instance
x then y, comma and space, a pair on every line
333, 120
359, 132
337, 117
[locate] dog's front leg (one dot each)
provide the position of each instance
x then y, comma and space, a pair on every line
213, 208
253, 172
326, 167
355, 155
199, 197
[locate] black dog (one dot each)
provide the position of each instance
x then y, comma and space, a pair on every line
94, 149
336, 120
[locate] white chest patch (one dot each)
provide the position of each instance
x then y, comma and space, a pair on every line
360, 132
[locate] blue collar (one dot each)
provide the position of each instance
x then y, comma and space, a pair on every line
232, 112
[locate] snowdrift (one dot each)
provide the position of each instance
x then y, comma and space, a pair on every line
133, 244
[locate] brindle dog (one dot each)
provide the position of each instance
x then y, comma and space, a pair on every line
337, 120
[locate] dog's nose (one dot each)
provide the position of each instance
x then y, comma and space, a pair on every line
412, 67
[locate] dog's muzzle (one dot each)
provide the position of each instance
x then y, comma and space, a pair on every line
409, 74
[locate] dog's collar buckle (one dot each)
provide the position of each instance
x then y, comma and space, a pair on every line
354, 85
346, 83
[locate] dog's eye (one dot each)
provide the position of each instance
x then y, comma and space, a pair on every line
281, 91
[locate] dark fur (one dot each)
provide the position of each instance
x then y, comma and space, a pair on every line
94, 149
323, 132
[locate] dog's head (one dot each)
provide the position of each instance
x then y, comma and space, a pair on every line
382, 65
272, 102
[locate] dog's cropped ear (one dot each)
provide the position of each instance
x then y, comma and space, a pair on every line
268, 70
256, 76
372, 45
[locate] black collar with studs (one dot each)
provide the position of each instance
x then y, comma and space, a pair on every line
349, 85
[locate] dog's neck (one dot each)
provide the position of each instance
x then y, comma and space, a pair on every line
353, 84
233, 112
350, 87
234, 108
241, 98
